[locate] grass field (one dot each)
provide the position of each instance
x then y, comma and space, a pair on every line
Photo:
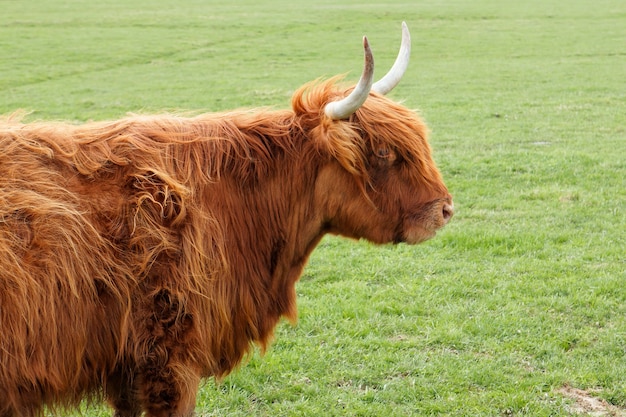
517, 303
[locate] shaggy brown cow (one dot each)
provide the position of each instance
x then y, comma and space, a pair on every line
140, 255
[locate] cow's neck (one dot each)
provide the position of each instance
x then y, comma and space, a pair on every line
269, 240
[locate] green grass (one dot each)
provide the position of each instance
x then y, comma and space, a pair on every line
524, 292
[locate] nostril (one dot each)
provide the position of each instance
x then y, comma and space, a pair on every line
447, 211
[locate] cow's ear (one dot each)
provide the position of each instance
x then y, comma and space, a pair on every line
341, 141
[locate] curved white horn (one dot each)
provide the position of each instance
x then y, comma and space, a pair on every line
342, 109
392, 78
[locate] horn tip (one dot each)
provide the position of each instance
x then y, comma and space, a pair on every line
405, 30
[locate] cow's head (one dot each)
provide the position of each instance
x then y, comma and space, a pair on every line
381, 182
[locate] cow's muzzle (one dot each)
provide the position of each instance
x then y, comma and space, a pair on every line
447, 211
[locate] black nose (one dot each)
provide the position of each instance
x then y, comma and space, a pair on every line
447, 211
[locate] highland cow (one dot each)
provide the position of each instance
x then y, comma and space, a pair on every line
140, 255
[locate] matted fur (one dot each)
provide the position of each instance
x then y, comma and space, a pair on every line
139, 255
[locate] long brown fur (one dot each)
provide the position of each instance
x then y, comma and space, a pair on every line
139, 255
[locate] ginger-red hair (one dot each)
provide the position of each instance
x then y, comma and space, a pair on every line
167, 245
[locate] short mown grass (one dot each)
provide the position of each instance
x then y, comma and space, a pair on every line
523, 293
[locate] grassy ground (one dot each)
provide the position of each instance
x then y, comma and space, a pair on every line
521, 295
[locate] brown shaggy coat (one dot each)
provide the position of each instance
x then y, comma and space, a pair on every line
140, 255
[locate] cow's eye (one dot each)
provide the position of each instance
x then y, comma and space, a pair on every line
386, 154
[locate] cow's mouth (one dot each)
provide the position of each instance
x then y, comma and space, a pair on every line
416, 235
424, 223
